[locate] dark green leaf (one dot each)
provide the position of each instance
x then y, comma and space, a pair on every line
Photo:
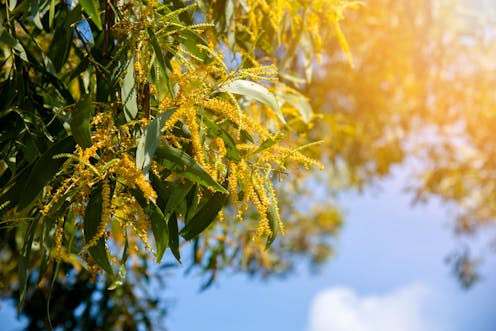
60, 47
6, 38
80, 121
158, 221
25, 259
184, 165
204, 217
92, 220
174, 237
170, 194
44, 170
149, 141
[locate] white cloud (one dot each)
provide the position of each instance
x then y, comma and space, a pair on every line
406, 309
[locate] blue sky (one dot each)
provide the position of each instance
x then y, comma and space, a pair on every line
388, 274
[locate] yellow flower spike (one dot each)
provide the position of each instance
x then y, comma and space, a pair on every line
233, 184
106, 212
195, 136
132, 176
58, 239
176, 116
228, 111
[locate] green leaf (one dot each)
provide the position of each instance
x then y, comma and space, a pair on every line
232, 150
121, 274
92, 220
92, 8
6, 38
51, 12
24, 260
204, 217
160, 57
267, 144
80, 121
184, 165
44, 170
60, 47
255, 91
191, 39
174, 237
128, 92
149, 141
170, 194
158, 221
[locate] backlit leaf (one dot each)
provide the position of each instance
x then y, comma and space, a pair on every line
92, 8
255, 91
184, 165
128, 92
149, 141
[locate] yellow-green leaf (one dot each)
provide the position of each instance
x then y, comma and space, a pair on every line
92, 8
184, 165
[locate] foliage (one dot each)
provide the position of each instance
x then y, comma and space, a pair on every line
125, 120
421, 90
133, 128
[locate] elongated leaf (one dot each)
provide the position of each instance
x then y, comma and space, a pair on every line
158, 221
25, 259
204, 217
174, 237
6, 38
184, 165
92, 8
92, 220
170, 194
297, 100
15, 189
266, 144
44, 169
121, 274
160, 57
232, 150
308, 55
128, 92
191, 40
255, 91
51, 12
149, 141
80, 121
60, 47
